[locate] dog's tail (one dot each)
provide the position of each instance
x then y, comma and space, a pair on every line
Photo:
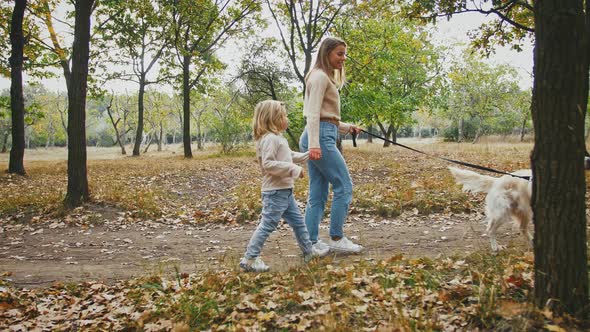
472, 181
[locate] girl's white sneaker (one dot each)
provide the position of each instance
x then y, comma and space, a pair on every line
320, 246
316, 252
253, 265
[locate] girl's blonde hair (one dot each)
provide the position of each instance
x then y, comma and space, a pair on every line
268, 117
323, 62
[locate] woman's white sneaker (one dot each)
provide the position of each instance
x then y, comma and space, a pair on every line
344, 245
253, 265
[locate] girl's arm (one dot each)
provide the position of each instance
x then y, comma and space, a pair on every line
269, 163
299, 157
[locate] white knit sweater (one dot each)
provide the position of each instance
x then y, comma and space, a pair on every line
277, 162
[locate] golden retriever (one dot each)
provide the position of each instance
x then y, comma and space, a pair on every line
508, 198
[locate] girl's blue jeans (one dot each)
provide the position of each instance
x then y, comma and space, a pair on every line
330, 169
277, 204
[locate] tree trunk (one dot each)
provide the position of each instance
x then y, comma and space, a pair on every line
370, 138
4, 142
199, 136
160, 136
522, 129
460, 130
560, 95
78, 192
186, 107
140, 108
17, 103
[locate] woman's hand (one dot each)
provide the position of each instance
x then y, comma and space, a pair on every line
315, 154
355, 130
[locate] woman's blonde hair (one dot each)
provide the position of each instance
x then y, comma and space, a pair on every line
323, 61
268, 117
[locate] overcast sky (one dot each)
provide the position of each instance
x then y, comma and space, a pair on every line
452, 31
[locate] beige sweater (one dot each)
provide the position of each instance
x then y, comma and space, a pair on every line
321, 100
277, 162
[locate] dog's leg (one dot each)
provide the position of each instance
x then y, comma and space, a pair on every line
492, 228
523, 219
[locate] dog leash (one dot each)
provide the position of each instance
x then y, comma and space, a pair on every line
462, 163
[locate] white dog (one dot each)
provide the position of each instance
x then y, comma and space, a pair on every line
508, 198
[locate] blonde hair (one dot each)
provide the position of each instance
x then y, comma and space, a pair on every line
268, 117
323, 62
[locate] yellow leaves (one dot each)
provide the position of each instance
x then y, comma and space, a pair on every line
302, 281
509, 308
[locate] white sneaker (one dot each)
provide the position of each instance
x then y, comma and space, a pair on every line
253, 265
320, 246
317, 251
345, 245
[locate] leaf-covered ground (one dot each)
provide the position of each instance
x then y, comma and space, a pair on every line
157, 249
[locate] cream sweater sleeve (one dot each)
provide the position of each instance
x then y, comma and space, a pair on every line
314, 97
270, 163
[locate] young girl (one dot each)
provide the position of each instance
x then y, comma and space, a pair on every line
321, 107
278, 177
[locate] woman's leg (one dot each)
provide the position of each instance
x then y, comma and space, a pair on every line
332, 169
274, 203
339, 177
317, 196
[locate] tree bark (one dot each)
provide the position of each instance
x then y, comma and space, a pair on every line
78, 192
140, 109
17, 102
186, 107
560, 95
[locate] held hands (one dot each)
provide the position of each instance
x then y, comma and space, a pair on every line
315, 153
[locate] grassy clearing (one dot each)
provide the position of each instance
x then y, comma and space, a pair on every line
212, 187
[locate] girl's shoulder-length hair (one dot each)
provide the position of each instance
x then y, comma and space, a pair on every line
268, 117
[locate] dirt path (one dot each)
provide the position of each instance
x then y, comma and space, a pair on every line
37, 256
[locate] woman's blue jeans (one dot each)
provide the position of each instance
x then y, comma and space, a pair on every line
330, 169
277, 204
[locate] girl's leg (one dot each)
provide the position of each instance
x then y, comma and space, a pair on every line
294, 218
274, 203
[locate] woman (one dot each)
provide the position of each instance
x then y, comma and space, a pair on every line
321, 107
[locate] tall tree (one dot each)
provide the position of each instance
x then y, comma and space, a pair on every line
78, 191
17, 104
199, 28
139, 29
560, 96
302, 25
393, 64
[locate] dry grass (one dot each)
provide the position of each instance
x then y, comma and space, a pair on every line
387, 181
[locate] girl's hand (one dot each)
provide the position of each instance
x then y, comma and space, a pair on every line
315, 154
